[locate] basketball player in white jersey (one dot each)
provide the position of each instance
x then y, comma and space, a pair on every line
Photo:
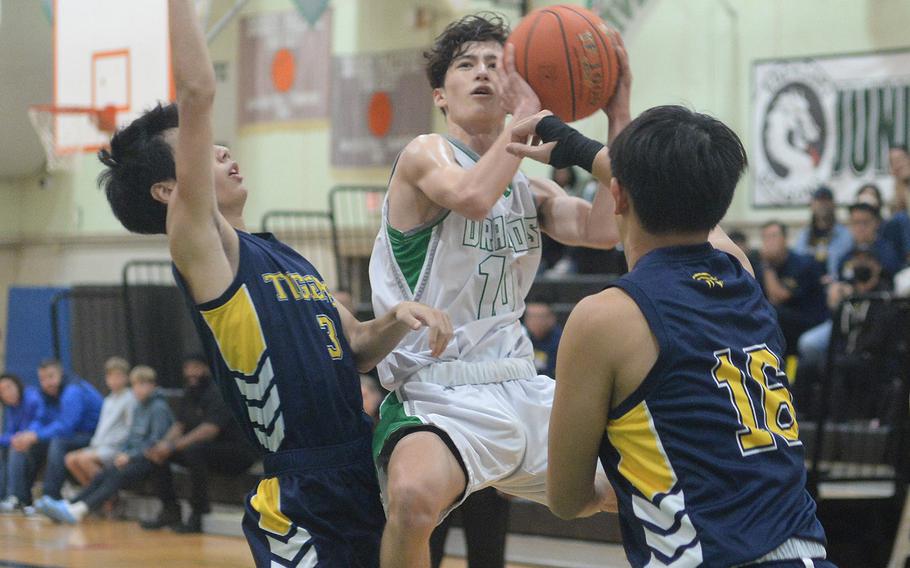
461, 231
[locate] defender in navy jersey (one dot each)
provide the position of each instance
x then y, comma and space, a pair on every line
673, 377
285, 354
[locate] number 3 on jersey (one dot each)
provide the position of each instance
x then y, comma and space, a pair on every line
777, 411
334, 347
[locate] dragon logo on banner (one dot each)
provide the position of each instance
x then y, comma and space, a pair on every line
827, 121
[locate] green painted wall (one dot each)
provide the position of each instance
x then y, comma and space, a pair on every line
694, 52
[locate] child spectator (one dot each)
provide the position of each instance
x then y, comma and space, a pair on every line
151, 420
113, 425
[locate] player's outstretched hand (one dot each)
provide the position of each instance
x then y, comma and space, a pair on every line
415, 316
525, 143
515, 95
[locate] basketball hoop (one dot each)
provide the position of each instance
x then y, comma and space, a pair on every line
66, 132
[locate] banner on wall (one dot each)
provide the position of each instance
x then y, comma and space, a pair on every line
284, 67
827, 121
381, 102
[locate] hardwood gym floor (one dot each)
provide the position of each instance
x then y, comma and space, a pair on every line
27, 542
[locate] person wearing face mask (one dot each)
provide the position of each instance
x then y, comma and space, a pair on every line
824, 238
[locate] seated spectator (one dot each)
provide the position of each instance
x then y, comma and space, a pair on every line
553, 252
897, 229
870, 194
113, 425
372, 394
824, 239
739, 239
865, 221
21, 405
792, 283
66, 421
862, 274
540, 321
204, 437
151, 420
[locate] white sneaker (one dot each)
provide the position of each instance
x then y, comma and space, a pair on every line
9, 505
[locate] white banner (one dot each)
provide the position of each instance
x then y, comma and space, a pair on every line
827, 121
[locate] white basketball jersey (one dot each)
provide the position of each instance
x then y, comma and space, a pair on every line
479, 272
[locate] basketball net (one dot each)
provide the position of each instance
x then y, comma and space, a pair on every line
57, 127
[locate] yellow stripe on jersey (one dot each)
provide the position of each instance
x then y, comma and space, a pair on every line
641, 455
236, 328
267, 502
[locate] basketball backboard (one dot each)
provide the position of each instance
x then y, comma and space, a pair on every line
107, 53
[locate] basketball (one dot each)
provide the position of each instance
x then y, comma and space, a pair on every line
565, 54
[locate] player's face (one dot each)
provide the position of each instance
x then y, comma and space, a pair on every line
468, 95
9, 392
229, 189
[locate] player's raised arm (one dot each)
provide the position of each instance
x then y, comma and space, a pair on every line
194, 225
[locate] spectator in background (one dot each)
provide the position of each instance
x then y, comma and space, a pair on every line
372, 394
346, 299
485, 519
870, 193
865, 221
862, 274
553, 254
824, 239
21, 404
66, 421
739, 239
540, 321
897, 229
792, 283
204, 437
151, 419
113, 425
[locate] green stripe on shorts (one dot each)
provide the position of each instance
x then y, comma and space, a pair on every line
392, 417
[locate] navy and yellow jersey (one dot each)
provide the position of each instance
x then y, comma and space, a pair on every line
278, 352
705, 455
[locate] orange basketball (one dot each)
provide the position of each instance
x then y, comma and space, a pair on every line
566, 56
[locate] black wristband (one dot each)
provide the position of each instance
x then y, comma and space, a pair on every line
572, 147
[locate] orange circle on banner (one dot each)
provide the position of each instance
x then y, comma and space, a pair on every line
379, 114
283, 70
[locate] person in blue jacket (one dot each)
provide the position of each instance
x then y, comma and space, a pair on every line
21, 405
66, 422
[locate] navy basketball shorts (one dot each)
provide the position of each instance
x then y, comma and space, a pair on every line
316, 507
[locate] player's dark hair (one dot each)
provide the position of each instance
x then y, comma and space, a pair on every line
778, 224
138, 159
679, 167
483, 26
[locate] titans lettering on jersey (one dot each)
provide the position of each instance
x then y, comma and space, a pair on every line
705, 455
275, 341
